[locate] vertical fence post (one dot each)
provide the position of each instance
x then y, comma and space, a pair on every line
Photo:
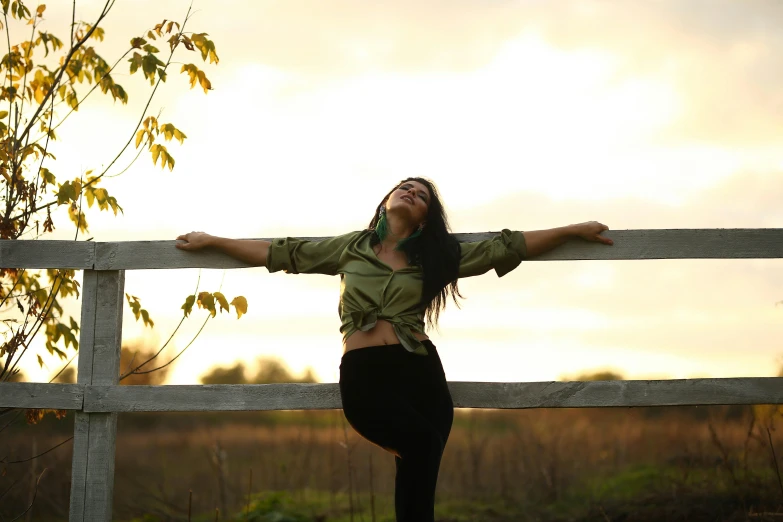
92, 477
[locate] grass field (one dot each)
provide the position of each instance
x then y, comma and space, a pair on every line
646, 464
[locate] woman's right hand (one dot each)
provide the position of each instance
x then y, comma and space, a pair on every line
194, 241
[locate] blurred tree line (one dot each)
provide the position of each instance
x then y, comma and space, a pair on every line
270, 371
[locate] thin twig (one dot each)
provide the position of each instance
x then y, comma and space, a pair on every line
123, 171
775, 460
40, 166
249, 492
10, 111
725, 458
19, 412
64, 367
28, 55
181, 352
14, 483
79, 212
39, 455
13, 287
39, 321
73, 22
35, 493
198, 282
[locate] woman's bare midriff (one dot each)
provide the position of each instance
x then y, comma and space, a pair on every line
382, 333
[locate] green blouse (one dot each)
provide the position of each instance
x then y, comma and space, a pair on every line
370, 290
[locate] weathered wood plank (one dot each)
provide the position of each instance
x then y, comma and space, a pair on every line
81, 450
99, 480
727, 243
108, 327
47, 254
53, 396
593, 394
629, 245
213, 397
87, 327
92, 484
609, 394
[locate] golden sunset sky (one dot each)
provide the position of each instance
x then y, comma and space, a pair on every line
527, 115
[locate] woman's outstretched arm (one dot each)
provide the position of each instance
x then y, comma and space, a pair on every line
251, 251
540, 241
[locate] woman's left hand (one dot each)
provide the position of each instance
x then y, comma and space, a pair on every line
591, 231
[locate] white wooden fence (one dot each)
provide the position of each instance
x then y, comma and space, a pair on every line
97, 397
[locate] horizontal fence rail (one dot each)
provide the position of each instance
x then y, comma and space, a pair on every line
297, 396
97, 397
728, 243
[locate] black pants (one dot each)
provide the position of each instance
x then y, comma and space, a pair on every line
401, 402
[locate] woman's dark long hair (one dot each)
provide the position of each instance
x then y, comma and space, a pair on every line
435, 250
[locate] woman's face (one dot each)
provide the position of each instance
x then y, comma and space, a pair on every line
412, 200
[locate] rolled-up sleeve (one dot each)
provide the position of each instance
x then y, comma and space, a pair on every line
300, 256
503, 253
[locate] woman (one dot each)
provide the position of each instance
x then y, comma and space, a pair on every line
394, 276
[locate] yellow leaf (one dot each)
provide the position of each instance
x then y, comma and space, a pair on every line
155, 153
146, 318
207, 301
188, 306
240, 305
139, 137
39, 94
222, 300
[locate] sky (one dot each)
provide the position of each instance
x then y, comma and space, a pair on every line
527, 115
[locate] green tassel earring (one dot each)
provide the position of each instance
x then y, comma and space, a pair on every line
382, 227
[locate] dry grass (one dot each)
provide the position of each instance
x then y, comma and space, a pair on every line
547, 464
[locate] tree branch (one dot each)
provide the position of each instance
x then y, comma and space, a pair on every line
95, 86
64, 67
136, 128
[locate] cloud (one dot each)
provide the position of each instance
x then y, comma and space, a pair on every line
721, 55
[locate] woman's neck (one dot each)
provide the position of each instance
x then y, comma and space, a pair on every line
397, 231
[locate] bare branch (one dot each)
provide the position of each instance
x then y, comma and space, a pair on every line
135, 370
181, 351
35, 493
4, 493
73, 21
775, 460
19, 412
123, 171
35, 457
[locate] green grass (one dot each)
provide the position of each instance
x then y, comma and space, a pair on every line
644, 492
